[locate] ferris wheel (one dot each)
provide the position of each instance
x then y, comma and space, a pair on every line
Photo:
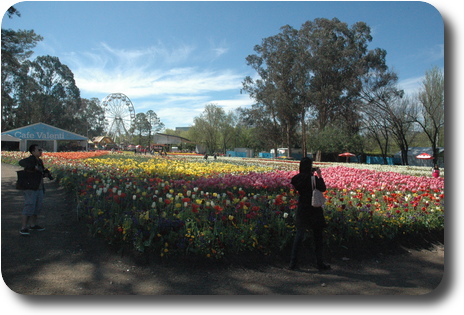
119, 115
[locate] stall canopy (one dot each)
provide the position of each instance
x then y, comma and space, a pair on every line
347, 155
424, 156
103, 142
43, 133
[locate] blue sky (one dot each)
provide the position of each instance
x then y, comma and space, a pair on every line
176, 57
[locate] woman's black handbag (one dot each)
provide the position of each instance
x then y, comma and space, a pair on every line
28, 180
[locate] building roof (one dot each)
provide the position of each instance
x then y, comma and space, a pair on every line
44, 132
163, 138
6, 137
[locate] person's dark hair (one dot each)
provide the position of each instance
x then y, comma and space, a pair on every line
32, 147
306, 165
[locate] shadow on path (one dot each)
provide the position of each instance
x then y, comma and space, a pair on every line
65, 260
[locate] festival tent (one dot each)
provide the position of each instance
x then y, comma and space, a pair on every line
46, 136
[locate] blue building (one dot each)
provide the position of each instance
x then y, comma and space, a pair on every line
50, 138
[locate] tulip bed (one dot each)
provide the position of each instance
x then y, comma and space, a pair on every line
176, 205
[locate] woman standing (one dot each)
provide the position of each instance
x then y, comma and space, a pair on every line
307, 216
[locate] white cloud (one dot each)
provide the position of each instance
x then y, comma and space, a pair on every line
140, 73
194, 81
187, 108
411, 86
180, 112
241, 100
218, 49
159, 79
160, 55
429, 56
435, 53
178, 116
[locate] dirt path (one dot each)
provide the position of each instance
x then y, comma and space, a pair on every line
65, 260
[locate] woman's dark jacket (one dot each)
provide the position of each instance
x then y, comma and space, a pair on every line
35, 173
308, 216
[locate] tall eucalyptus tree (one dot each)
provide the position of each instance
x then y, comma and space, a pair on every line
277, 62
16, 48
48, 93
319, 67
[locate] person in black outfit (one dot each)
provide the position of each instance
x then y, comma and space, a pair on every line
307, 216
33, 197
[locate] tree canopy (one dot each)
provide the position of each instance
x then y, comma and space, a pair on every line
317, 69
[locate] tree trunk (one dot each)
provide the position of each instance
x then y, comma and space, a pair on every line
303, 134
288, 141
404, 156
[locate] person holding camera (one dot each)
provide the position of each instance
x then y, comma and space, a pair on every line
33, 198
307, 216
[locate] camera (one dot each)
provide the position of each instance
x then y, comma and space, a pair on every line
48, 174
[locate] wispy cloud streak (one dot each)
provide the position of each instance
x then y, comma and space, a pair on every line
173, 82
146, 72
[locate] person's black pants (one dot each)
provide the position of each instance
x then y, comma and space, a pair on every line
318, 244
